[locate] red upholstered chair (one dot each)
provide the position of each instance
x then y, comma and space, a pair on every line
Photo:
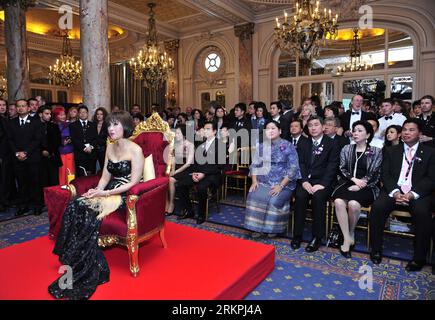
145, 213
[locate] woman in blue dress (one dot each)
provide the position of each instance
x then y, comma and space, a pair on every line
274, 172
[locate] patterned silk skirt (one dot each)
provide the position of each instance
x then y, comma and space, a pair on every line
265, 213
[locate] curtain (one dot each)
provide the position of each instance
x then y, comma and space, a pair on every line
127, 91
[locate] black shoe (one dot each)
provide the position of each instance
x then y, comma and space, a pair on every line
314, 245
186, 214
376, 257
21, 211
346, 254
168, 214
414, 266
296, 242
2, 208
200, 220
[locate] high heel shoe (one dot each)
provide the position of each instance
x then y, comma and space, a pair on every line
346, 254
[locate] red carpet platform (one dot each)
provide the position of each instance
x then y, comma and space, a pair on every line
197, 265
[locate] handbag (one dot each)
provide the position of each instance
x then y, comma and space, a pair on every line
335, 237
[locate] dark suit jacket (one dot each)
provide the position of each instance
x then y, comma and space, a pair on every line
341, 140
210, 162
429, 126
28, 138
423, 171
345, 118
5, 150
302, 142
102, 138
79, 139
52, 142
285, 121
323, 169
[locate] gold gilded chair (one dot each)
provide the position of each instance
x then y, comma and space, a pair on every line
145, 213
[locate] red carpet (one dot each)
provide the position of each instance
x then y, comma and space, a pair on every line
197, 264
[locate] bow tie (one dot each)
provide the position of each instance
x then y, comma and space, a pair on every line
390, 117
356, 112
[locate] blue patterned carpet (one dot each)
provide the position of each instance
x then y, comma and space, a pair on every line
324, 275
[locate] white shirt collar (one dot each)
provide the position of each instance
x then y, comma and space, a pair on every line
297, 138
414, 148
209, 142
276, 118
319, 141
25, 118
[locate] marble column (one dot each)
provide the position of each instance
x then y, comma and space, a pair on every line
94, 45
172, 86
16, 49
244, 34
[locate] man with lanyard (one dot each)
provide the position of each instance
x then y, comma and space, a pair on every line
408, 178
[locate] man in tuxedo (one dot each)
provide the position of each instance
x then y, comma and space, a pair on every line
389, 118
408, 177
285, 120
428, 120
84, 138
354, 114
209, 158
33, 105
296, 137
330, 129
318, 161
26, 136
51, 160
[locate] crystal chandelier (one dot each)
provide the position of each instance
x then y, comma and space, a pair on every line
3, 87
152, 64
302, 35
356, 63
66, 71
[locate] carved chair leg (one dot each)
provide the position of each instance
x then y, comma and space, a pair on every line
133, 253
162, 238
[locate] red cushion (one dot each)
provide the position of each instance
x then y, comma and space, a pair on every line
83, 184
154, 143
147, 186
115, 224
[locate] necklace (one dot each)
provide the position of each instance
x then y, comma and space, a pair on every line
357, 159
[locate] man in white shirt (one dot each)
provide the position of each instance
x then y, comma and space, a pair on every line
389, 118
376, 141
275, 111
408, 178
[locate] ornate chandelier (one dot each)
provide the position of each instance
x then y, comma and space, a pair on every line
302, 35
66, 71
356, 63
152, 64
3, 87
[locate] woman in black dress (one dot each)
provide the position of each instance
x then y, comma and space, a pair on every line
360, 166
184, 153
77, 242
100, 116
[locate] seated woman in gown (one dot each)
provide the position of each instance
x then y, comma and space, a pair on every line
360, 170
77, 242
184, 153
274, 172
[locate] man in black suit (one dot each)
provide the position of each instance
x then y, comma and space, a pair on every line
84, 137
428, 120
51, 160
26, 137
209, 158
330, 129
286, 119
408, 177
296, 136
354, 114
318, 161
5, 163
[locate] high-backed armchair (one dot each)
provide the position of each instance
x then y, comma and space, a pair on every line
144, 216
